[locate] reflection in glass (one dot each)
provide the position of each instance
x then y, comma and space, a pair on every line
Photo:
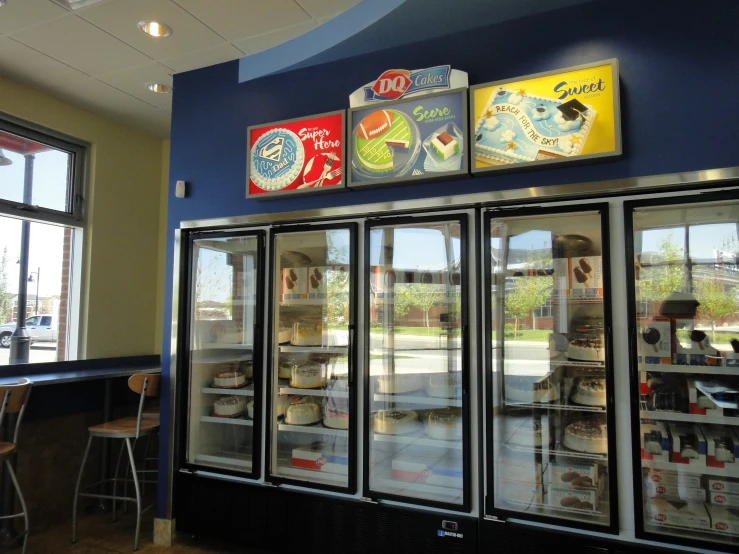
310, 382
222, 400
687, 306
549, 367
415, 361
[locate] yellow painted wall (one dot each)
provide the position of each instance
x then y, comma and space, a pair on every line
121, 299
163, 192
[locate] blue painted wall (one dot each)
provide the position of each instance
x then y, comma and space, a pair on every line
679, 105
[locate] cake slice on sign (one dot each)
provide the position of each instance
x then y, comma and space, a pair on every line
378, 136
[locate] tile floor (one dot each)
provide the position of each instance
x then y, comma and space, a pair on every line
97, 534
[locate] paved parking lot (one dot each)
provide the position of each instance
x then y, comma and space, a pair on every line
40, 353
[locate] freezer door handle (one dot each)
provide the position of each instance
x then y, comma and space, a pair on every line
350, 351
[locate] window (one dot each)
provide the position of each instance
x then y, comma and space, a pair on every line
41, 201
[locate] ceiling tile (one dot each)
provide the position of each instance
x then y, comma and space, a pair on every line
28, 66
133, 81
203, 58
253, 45
121, 19
327, 8
83, 46
19, 15
235, 19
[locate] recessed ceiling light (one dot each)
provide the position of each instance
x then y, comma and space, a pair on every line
159, 88
76, 4
155, 29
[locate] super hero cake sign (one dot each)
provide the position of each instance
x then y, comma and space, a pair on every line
304, 155
395, 84
415, 139
554, 117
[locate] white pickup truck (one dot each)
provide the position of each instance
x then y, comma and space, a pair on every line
41, 328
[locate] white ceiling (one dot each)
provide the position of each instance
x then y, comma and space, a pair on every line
97, 57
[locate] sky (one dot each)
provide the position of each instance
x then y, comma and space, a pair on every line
50, 191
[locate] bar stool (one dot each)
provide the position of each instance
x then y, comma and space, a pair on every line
125, 429
15, 398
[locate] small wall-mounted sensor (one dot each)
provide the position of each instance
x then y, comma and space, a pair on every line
179, 189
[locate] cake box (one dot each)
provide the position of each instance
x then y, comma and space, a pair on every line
655, 490
520, 492
655, 442
688, 445
574, 499
294, 283
672, 477
723, 485
678, 513
695, 349
654, 342
570, 475
724, 519
723, 499
321, 457
520, 468
586, 277
319, 277
418, 469
722, 446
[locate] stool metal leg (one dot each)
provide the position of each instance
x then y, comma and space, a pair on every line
9, 467
143, 465
125, 480
77, 490
115, 478
138, 494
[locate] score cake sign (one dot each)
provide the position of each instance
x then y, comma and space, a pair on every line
296, 156
547, 118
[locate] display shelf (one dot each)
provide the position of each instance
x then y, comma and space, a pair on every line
575, 363
311, 475
693, 469
417, 439
558, 451
555, 406
567, 299
317, 429
709, 370
413, 399
225, 346
561, 511
227, 420
226, 458
228, 392
218, 356
689, 418
416, 487
312, 392
688, 532
291, 349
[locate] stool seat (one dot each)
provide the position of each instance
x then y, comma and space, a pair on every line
6, 448
124, 428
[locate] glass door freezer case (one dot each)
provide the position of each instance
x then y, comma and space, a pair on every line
683, 268
417, 432
311, 411
223, 361
549, 383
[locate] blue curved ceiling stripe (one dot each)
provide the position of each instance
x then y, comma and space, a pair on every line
318, 40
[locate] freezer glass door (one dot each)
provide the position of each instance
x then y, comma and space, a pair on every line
686, 333
416, 423
549, 375
312, 376
224, 320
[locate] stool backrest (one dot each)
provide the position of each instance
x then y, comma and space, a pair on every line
145, 384
14, 399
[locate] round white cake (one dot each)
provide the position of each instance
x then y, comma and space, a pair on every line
307, 334
396, 422
284, 334
588, 435
587, 350
308, 376
445, 424
522, 389
250, 409
444, 385
302, 411
228, 332
284, 369
590, 392
229, 379
399, 383
229, 406
336, 419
